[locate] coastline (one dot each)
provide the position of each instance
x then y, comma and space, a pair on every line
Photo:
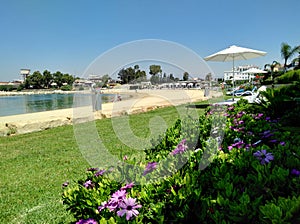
4, 93
141, 101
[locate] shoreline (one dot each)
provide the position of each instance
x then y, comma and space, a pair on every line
141, 101
33, 92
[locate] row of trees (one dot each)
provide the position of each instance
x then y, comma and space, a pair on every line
47, 80
134, 74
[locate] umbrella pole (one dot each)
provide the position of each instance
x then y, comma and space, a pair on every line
233, 79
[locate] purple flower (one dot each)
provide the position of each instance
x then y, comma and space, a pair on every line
268, 118
239, 144
258, 116
295, 172
102, 206
115, 200
240, 114
127, 186
282, 143
266, 134
273, 140
230, 147
125, 158
263, 156
129, 207
87, 221
247, 146
230, 108
112, 205
150, 167
99, 173
88, 184
249, 133
118, 195
210, 112
181, 147
241, 122
240, 129
65, 184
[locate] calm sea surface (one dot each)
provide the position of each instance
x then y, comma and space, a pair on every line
12, 105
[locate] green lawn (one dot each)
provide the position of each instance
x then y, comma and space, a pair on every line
34, 166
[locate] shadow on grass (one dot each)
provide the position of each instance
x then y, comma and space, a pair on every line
198, 106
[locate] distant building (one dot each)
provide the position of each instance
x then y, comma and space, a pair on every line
24, 72
95, 78
238, 73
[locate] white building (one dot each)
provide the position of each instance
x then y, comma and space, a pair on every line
238, 73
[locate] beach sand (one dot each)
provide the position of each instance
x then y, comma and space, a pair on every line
140, 101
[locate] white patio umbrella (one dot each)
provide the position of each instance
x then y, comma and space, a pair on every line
254, 71
234, 53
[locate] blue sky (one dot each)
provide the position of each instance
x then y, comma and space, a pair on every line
65, 35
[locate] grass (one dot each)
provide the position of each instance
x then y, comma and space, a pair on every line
34, 166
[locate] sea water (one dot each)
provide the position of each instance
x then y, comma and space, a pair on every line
22, 104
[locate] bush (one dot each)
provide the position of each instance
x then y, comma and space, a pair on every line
288, 77
66, 88
252, 176
6, 88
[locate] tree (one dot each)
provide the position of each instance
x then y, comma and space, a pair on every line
287, 52
47, 78
104, 80
136, 67
271, 67
66, 78
34, 81
58, 78
140, 75
185, 76
155, 69
172, 78
130, 75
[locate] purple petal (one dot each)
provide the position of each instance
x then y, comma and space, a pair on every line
257, 154
282, 143
121, 212
129, 215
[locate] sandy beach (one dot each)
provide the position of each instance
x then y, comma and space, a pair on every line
140, 101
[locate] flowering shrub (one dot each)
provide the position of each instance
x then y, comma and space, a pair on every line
252, 176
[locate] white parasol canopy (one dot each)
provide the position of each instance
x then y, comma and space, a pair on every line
234, 53
254, 71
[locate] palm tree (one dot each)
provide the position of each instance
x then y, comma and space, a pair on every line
287, 52
271, 67
296, 62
